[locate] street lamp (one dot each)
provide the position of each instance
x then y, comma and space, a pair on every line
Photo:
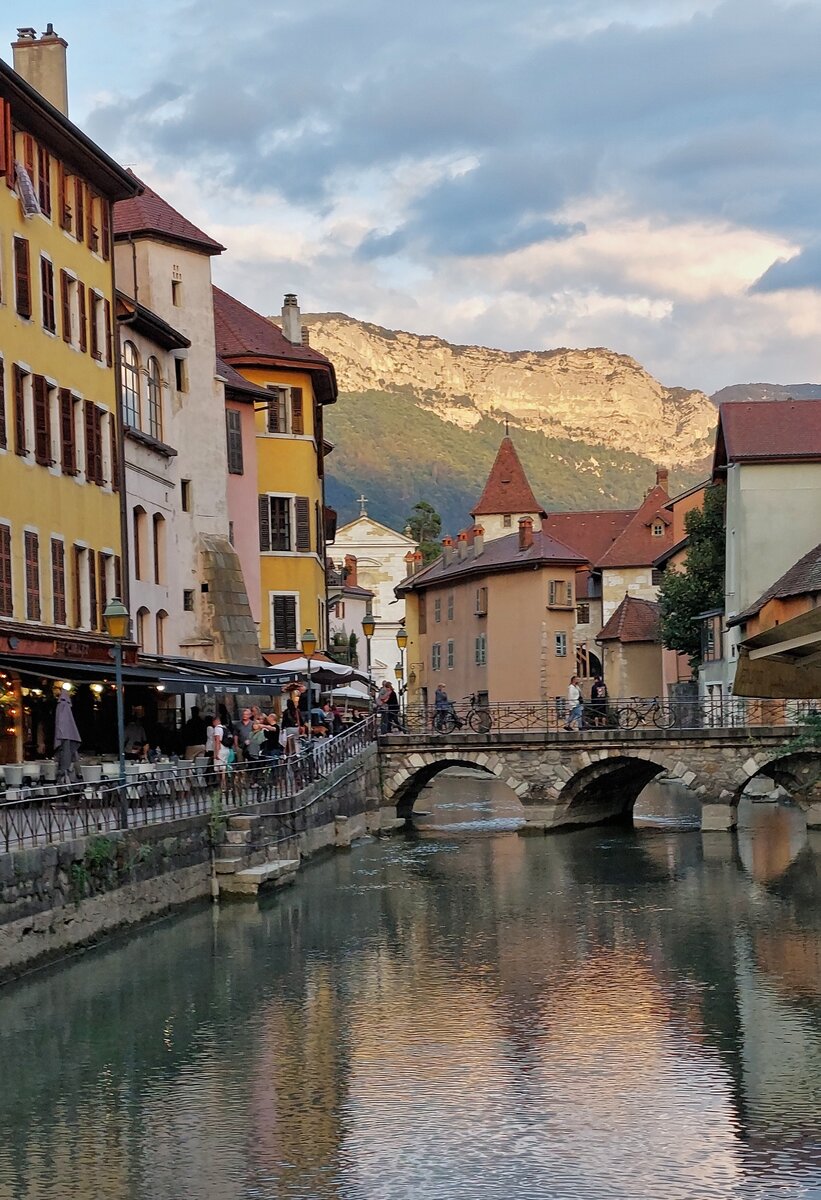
308, 649
117, 621
368, 627
402, 641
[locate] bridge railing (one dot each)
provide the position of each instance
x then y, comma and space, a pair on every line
628, 712
38, 816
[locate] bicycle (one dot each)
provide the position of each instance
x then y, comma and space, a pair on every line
639, 712
446, 720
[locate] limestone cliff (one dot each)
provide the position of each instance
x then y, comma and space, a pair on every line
594, 396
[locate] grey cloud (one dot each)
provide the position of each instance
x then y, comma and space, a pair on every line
786, 274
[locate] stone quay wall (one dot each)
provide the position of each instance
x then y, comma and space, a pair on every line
55, 899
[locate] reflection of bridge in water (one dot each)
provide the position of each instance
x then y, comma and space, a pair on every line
566, 779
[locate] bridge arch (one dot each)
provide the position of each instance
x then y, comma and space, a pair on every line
403, 787
607, 788
796, 771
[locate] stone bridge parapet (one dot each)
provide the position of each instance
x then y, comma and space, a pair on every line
566, 779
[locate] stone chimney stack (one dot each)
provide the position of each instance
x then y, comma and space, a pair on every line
306, 336
447, 551
418, 561
291, 319
662, 477
525, 533
462, 544
350, 570
478, 540
42, 63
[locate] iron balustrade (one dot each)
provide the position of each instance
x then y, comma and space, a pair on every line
44, 815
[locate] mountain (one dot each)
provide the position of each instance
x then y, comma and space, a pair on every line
767, 391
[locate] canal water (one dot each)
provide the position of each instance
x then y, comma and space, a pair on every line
461, 1012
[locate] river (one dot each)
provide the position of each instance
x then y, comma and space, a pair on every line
460, 1012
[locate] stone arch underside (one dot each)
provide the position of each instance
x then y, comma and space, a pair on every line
797, 772
402, 787
606, 791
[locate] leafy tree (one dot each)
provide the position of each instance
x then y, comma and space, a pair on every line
425, 526
700, 586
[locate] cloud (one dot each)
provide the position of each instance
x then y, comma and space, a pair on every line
803, 270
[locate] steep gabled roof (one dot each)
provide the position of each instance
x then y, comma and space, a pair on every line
636, 546
802, 579
149, 215
591, 533
768, 431
234, 382
634, 620
507, 489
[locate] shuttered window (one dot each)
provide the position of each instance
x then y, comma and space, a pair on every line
47, 290
94, 438
560, 594
81, 309
297, 416
319, 438
77, 566
283, 621
107, 322
118, 576
93, 323
105, 227
278, 410
233, 430
320, 530
274, 523
68, 445
42, 422
65, 305
3, 428
6, 143
58, 582
6, 592
32, 556
79, 209
303, 524
44, 180
64, 213
92, 590
20, 377
22, 278
115, 453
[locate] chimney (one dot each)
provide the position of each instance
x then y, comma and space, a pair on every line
525, 533
662, 477
42, 63
291, 321
478, 540
306, 336
447, 551
462, 544
350, 570
418, 560
409, 569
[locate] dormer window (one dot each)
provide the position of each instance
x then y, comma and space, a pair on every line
658, 529
507, 520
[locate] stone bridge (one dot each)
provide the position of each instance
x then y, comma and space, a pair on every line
566, 779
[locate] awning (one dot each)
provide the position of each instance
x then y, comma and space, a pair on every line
783, 662
323, 670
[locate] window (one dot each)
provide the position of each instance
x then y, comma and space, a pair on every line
275, 528
507, 520
21, 378
160, 647
185, 495
561, 645
188, 600
560, 594
158, 539
47, 294
22, 278
68, 444
6, 592
42, 422
339, 610
437, 609
3, 431
176, 293
64, 213
450, 606
277, 415
284, 622
582, 614
103, 561
480, 646
142, 613
78, 559
658, 529
66, 283
44, 180
82, 312
93, 611
712, 639
130, 373
233, 430
105, 228
450, 653
481, 602
94, 303
436, 656
656, 576
302, 520
138, 519
79, 208
181, 374
154, 399
32, 557
94, 442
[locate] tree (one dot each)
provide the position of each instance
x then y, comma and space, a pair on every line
424, 525
700, 586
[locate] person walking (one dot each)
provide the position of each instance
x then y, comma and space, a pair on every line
391, 710
575, 708
598, 702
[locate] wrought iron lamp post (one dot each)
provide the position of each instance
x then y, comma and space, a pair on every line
368, 627
402, 641
308, 649
117, 622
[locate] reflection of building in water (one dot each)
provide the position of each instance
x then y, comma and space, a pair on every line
770, 837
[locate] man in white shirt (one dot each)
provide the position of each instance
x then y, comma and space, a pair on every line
575, 708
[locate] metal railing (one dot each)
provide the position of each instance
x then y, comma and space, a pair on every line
633, 712
44, 815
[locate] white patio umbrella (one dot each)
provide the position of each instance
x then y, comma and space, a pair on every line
322, 670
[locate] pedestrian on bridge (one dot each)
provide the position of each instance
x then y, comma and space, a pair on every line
575, 708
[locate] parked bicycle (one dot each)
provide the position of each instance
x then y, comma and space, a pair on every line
478, 717
642, 712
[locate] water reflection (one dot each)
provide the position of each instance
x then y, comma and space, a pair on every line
461, 1013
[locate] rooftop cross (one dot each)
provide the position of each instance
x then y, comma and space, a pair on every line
362, 501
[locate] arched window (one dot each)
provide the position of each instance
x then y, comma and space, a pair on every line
161, 615
131, 385
154, 399
139, 539
142, 613
158, 522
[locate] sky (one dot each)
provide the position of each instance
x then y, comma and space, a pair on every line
638, 174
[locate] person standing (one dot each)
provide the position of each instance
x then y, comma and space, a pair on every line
598, 702
243, 734
575, 708
194, 733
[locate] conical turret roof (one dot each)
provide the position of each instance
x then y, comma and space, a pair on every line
507, 489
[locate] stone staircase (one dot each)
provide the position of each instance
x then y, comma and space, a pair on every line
245, 863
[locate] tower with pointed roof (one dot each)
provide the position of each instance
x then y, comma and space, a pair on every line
507, 495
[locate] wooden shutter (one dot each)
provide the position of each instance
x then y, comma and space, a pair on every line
79, 209
94, 339
118, 576
44, 180
65, 305
22, 277
68, 446
78, 591
115, 455
28, 155
91, 436
47, 284
319, 435
302, 511
19, 411
81, 301
569, 595
284, 622
233, 432
320, 530
108, 342
32, 549
6, 593
99, 476
58, 582
42, 422
6, 143
91, 232
102, 574
297, 414
105, 227
92, 590
264, 523
3, 429
64, 213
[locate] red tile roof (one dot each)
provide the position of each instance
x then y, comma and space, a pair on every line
768, 430
234, 382
150, 214
802, 579
500, 554
636, 546
634, 620
243, 333
591, 533
507, 489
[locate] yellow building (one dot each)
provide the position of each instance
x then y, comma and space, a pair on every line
60, 458
287, 524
